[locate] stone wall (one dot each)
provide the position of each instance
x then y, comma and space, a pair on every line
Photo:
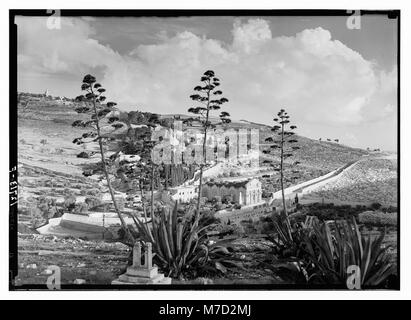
237, 215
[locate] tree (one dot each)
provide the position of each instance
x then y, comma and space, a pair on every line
145, 171
101, 118
207, 96
283, 140
376, 206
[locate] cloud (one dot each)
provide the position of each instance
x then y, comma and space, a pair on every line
69, 50
388, 81
388, 109
250, 36
316, 78
382, 105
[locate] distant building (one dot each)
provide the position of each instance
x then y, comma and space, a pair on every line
244, 192
184, 194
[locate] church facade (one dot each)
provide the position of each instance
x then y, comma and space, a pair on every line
244, 192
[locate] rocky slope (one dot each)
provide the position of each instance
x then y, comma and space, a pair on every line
373, 179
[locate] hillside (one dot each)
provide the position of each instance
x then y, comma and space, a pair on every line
371, 180
45, 143
48, 162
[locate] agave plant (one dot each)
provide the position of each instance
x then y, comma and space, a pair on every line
289, 235
333, 251
180, 243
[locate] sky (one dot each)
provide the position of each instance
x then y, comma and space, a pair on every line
334, 82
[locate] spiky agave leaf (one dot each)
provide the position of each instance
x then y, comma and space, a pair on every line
333, 253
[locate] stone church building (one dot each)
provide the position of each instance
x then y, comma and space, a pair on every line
244, 192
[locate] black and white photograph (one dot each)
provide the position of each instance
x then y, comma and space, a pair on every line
204, 150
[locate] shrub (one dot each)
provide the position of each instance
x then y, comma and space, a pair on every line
331, 212
93, 202
266, 194
389, 209
248, 226
208, 218
225, 228
238, 230
80, 207
264, 225
47, 206
93, 192
375, 206
83, 155
218, 206
69, 202
227, 199
36, 217
24, 211
378, 218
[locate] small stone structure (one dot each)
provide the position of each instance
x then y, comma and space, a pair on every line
142, 273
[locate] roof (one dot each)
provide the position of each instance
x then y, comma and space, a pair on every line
228, 184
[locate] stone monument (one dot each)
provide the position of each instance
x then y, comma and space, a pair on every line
142, 273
